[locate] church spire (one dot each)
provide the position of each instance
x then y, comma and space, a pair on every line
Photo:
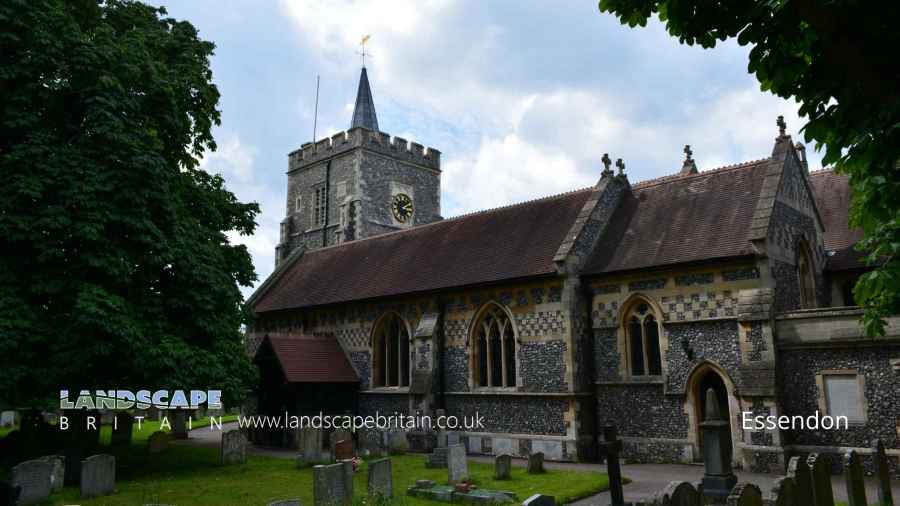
364, 111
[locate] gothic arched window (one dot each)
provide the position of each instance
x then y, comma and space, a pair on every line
642, 338
494, 348
390, 353
805, 271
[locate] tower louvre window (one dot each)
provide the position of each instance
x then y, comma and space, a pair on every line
320, 202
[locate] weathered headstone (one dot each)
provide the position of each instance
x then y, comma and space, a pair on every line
453, 438
285, 502
718, 477
820, 468
57, 471
234, 447
397, 442
309, 442
381, 480
158, 442
854, 479
783, 493
7, 418
457, 466
178, 419
330, 487
336, 436
745, 494
371, 442
610, 449
98, 476
122, 429
9, 494
343, 449
502, 467
33, 478
437, 459
798, 470
536, 463
882, 474
540, 500
682, 493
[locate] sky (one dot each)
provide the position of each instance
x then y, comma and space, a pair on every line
521, 97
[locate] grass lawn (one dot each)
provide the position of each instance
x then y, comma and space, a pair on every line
186, 475
6, 430
148, 427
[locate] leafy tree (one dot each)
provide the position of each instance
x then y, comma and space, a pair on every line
115, 267
837, 58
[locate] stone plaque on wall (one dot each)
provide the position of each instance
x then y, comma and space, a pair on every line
421, 382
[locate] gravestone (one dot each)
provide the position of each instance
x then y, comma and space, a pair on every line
798, 470
540, 500
437, 459
234, 447
343, 449
682, 493
457, 467
783, 493
536, 463
452, 438
381, 480
57, 471
502, 467
178, 419
854, 479
610, 449
98, 476
745, 494
371, 442
33, 479
158, 442
9, 495
882, 474
310, 444
718, 477
336, 436
285, 502
397, 442
122, 429
7, 419
330, 487
820, 469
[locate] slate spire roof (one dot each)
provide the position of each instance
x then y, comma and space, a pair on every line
364, 110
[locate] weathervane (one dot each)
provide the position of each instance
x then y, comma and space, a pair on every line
363, 52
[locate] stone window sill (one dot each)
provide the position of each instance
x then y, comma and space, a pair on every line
387, 390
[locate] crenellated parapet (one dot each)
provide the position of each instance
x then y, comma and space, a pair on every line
379, 142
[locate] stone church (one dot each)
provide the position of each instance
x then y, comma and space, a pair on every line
620, 303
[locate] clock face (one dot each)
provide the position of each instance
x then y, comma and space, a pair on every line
402, 207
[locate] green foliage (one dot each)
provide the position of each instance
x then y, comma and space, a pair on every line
833, 58
115, 267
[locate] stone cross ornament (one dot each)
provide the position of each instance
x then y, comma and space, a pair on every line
606, 163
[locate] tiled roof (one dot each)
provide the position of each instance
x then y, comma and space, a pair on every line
832, 191
312, 359
507, 243
682, 218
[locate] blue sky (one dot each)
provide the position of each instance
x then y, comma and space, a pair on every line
521, 97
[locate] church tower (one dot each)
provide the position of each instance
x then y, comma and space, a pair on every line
358, 184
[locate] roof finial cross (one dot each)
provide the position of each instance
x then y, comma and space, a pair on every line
621, 166
688, 152
782, 126
363, 53
606, 163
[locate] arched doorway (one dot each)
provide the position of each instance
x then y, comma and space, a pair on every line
704, 377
